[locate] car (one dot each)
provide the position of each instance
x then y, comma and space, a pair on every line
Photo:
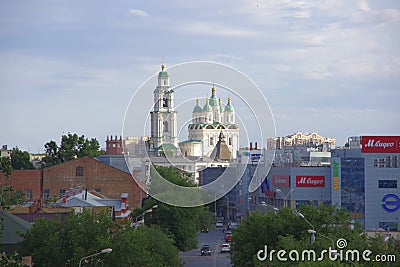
232, 225
205, 250
225, 247
204, 230
219, 224
228, 238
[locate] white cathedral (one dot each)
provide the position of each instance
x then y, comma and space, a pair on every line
211, 124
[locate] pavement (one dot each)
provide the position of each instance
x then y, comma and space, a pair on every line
214, 238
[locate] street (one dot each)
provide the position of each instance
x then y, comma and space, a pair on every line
214, 238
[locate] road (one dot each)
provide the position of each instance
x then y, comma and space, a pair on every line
214, 238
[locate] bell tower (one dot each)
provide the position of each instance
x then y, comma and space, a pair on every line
163, 117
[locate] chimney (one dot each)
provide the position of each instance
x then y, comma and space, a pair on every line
255, 146
251, 146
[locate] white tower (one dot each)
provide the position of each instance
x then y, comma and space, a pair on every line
164, 127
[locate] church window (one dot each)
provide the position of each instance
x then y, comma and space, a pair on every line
165, 102
165, 126
211, 141
230, 141
165, 82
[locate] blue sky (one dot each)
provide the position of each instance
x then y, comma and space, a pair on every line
72, 66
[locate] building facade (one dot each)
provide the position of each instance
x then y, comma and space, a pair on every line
52, 183
207, 124
366, 178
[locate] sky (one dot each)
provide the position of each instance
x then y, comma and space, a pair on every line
327, 66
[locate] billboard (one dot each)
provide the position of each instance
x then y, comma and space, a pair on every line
380, 144
310, 181
280, 180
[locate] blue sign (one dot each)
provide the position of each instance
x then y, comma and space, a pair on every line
391, 200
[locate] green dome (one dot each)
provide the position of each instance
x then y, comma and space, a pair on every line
163, 74
197, 108
213, 101
229, 107
207, 106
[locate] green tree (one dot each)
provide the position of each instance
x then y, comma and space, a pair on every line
53, 243
181, 223
20, 160
287, 230
71, 146
144, 246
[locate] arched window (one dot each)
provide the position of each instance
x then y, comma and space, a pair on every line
165, 102
165, 128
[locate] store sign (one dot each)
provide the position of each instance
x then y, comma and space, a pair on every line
335, 176
280, 180
391, 203
380, 144
310, 181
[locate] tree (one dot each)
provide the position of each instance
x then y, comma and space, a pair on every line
72, 146
144, 246
287, 230
181, 223
53, 243
20, 160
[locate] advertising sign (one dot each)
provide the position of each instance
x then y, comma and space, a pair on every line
310, 181
380, 144
391, 202
280, 180
335, 175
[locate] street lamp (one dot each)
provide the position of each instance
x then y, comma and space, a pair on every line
275, 209
145, 212
313, 232
103, 251
284, 196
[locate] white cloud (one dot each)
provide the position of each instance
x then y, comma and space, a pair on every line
138, 12
363, 5
216, 29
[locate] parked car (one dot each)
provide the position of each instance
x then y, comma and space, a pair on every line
204, 230
219, 224
205, 250
225, 247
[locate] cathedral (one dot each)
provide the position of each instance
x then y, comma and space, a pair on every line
212, 125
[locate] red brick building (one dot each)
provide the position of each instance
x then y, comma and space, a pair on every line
84, 172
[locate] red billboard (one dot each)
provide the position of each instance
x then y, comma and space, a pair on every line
280, 180
380, 144
310, 181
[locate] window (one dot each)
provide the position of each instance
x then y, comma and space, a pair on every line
211, 141
29, 193
387, 184
79, 171
62, 192
376, 163
165, 129
388, 226
165, 102
230, 141
46, 193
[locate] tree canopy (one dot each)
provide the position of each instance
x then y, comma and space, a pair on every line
71, 146
55, 243
20, 160
291, 230
179, 222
